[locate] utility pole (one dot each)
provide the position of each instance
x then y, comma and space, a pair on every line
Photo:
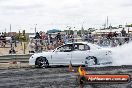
5, 30
10, 28
35, 28
107, 22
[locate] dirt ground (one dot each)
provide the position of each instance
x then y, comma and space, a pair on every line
56, 77
19, 49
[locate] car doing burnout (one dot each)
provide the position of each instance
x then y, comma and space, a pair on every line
79, 53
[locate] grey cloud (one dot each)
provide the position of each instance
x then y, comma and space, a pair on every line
22, 7
65, 11
126, 5
3, 0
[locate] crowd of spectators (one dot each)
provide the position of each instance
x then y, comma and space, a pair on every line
43, 41
88, 38
4, 40
113, 39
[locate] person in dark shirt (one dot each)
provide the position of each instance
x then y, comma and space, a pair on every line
123, 32
37, 36
51, 39
115, 34
13, 41
58, 37
110, 35
12, 51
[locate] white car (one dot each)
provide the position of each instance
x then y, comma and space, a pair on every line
78, 53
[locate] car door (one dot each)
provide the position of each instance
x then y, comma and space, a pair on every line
62, 55
79, 53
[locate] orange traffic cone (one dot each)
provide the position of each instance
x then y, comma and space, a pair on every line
70, 68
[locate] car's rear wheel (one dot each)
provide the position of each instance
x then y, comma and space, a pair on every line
91, 60
42, 62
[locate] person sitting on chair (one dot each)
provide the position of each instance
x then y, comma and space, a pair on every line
12, 51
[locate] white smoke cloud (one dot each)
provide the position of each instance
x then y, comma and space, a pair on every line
122, 55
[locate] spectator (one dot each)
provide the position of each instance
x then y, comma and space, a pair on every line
65, 39
50, 39
13, 40
90, 38
123, 32
126, 40
86, 38
39, 46
71, 38
46, 39
110, 35
115, 34
12, 51
37, 36
43, 38
31, 47
58, 37
83, 38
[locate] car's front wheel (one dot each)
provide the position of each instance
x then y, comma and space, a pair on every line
42, 62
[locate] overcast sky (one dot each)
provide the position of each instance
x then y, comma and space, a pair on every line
48, 14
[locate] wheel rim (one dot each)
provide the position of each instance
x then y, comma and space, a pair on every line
42, 62
89, 61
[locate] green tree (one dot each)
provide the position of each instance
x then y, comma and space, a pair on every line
69, 31
130, 25
79, 32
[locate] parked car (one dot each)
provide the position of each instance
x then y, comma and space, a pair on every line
78, 53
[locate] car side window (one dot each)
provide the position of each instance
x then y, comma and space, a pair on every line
81, 47
65, 48
87, 47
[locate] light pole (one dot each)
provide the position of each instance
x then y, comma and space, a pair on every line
5, 30
35, 28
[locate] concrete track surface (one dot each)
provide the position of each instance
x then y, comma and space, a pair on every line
56, 77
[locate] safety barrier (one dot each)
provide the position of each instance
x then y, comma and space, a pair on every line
18, 58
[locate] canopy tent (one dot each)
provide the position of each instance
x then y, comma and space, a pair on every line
53, 31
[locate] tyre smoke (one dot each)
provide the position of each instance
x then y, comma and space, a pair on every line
122, 55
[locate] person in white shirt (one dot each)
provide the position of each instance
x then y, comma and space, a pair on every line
31, 46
